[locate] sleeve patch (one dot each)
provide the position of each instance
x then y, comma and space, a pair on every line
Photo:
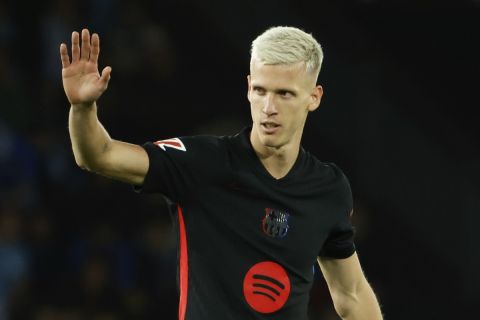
174, 143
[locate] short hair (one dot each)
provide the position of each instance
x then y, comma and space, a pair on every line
288, 45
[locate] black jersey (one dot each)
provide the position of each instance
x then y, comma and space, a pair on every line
248, 242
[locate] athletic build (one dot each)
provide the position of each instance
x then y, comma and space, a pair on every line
254, 210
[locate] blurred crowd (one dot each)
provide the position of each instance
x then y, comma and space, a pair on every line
73, 245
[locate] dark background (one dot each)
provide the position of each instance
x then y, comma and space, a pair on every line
398, 116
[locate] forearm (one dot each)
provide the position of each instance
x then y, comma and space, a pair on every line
363, 305
89, 138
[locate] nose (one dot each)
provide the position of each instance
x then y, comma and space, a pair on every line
269, 107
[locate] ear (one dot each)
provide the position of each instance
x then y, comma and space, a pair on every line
315, 98
249, 90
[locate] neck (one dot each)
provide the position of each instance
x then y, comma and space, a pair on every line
277, 161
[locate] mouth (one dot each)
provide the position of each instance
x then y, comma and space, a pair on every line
269, 126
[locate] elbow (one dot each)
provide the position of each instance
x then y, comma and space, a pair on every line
346, 300
345, 304
357, 303
79, 161
90, 158
85, 165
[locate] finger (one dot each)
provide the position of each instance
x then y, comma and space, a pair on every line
85, 52
75, 46
64, 55
105, 77
95, 48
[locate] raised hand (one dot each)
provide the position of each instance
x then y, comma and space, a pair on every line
82, 82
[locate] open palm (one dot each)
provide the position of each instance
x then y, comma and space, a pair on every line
82, 82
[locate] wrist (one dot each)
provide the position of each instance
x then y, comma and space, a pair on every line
82, 107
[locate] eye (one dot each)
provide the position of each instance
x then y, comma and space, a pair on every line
259, 90
285, 93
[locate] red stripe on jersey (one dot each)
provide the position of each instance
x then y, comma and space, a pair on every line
183, 266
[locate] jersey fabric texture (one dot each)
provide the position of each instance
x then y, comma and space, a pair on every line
248, 241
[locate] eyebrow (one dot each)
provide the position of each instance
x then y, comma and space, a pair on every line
280, 91
277, 91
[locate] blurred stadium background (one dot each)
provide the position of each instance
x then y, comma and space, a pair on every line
399, 116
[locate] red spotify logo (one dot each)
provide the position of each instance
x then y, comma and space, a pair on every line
266, 287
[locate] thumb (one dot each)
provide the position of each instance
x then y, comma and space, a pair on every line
105, 76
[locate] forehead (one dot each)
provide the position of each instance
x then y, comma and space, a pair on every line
279, 75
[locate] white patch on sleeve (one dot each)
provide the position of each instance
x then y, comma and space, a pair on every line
174, 143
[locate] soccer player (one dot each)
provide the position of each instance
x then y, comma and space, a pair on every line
255, 211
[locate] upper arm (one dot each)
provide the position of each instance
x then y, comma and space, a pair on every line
344, 277
352, 295
124, 162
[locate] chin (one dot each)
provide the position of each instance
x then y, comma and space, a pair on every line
270, 142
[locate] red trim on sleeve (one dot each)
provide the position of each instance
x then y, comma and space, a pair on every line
183, 266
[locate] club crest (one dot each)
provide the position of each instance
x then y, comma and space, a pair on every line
275, 223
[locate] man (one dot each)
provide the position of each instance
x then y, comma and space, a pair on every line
254, 210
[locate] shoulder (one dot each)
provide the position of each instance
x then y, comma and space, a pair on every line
322, 170
325, 179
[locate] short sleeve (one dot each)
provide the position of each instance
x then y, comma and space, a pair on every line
179, 165
340, 240
340, 244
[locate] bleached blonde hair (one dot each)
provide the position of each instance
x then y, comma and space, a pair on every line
287, 45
